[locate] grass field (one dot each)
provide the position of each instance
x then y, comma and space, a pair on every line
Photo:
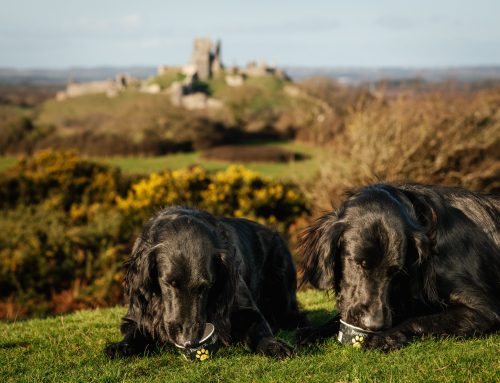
298, 169
6, 162
293, 170
69, 349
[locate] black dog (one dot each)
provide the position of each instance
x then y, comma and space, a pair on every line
188, 268
408, 261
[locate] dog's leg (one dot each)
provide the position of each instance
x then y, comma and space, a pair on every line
277, 298
251, 326
134, 342
248, 324
313, 334
460, 321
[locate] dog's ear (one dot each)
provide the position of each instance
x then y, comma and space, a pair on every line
140, 277
319, 245
223, 293
424, 233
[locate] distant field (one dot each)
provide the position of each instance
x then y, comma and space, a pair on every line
6, 162
69, 349
298, 169
293, 170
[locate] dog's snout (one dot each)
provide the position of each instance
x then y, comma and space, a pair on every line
188, 335
373, 322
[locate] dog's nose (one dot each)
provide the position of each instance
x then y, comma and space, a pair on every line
373, 322
186, 341
189, 335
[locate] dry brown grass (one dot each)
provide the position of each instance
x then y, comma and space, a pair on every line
436, 138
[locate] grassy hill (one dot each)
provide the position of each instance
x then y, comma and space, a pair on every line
148, 124
69, 349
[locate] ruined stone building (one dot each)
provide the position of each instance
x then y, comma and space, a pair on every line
109, 87
206, 58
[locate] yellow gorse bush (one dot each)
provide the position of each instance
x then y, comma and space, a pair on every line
62, 177
69, 223
237, 192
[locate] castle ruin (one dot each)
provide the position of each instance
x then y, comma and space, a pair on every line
206, 58
184, 90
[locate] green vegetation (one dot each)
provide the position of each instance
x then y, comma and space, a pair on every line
135, 123
167, 78
69, 349
130, 123
7, 162
297, 170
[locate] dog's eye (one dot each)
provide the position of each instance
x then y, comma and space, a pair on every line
363, 263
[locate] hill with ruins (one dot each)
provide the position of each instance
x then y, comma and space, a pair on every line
198, 105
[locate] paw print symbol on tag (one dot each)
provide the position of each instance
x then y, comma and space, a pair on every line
358, 341
202, 354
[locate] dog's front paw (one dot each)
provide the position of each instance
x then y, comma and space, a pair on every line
120, 349
274, 348
312, 334
386, 341
308, 335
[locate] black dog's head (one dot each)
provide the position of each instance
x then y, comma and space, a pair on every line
365, 251
181, 275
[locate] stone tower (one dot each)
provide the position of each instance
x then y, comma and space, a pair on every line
205, 58
202, 52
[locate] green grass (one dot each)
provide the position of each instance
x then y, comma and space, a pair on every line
294, 170
69, 348
128, 114
7, 162
167, 78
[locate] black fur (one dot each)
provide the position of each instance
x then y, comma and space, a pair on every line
189, 267
408, 261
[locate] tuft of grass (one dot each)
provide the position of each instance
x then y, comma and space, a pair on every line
69, 349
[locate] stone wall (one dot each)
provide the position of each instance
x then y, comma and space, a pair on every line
110, 87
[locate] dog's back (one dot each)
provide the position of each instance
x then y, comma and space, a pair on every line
480, 208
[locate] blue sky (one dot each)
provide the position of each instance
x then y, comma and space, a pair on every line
361, 33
